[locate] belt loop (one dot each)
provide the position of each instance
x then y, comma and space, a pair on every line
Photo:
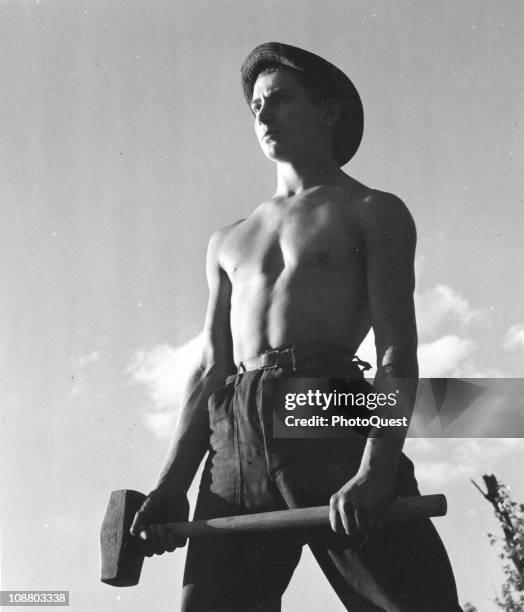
241, 366
293, 358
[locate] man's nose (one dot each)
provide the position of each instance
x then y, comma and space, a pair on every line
264, 114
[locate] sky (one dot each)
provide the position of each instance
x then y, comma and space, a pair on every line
125, 143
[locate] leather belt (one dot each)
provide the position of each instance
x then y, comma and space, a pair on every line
299, 356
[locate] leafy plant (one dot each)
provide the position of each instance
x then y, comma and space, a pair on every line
510, 515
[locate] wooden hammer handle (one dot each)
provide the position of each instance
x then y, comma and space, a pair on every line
400, 509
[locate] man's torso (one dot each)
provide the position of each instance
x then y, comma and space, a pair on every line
297, 272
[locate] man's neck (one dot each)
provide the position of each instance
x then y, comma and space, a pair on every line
295, 177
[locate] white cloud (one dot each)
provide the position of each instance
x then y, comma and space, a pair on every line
420, 445
162, 423
462, 458
165, 371
444, 320
514, 338
440, 307
435, 474
447, 356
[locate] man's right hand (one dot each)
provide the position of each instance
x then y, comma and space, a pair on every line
162, 505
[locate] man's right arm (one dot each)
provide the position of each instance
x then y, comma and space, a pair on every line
168, 501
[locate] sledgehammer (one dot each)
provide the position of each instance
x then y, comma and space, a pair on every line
122, 554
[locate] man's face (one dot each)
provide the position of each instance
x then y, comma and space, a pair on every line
288, 123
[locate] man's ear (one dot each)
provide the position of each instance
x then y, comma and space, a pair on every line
331, 111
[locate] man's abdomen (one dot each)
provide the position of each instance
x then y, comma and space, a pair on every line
297, 308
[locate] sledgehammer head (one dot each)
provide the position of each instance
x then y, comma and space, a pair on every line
121, 553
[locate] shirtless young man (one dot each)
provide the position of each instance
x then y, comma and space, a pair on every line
304, 277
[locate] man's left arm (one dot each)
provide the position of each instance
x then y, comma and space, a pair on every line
390, 238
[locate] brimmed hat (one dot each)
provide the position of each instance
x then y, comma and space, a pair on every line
329, 79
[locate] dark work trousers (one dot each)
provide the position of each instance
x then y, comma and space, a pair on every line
247, 470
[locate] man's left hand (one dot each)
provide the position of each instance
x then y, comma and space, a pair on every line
358, 507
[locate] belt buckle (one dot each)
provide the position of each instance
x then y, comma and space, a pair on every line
268, 357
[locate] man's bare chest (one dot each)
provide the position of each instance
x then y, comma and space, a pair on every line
276, 238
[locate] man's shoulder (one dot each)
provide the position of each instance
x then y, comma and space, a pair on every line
216, 249
218, 237
246, 224
370, 200
381, 209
